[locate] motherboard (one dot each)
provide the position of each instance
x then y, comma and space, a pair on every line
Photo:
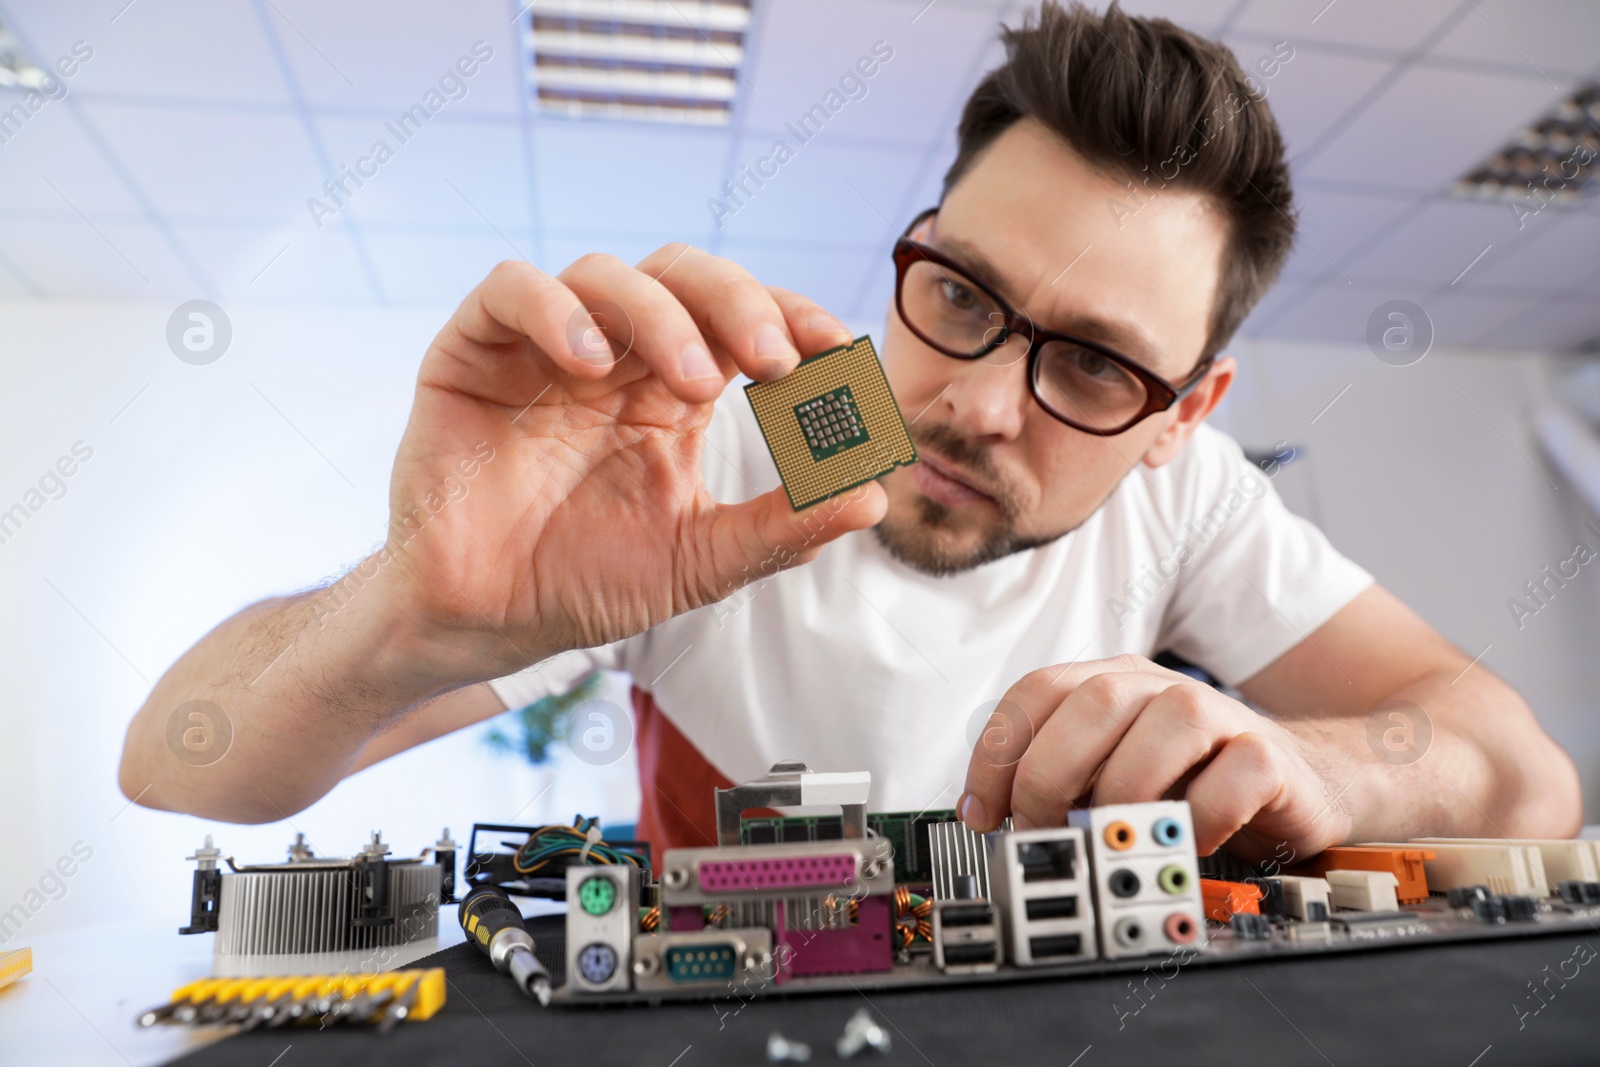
859, 901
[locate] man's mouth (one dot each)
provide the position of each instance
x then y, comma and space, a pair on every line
941, 482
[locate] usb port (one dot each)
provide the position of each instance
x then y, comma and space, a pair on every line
1055, 945
973, 913
971, 952
1052, 908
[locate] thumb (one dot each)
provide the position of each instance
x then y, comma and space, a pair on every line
760, 537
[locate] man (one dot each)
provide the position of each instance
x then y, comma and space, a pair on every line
1118, 203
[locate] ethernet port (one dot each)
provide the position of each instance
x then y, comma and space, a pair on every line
1044, 861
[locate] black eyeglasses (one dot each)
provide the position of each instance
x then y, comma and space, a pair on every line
1084, 384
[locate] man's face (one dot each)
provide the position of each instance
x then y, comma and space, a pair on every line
998, 473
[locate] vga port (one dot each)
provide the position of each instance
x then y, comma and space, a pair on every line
700, 963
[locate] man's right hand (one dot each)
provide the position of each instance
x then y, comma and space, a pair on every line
591, 522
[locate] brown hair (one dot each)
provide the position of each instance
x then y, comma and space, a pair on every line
1148, 100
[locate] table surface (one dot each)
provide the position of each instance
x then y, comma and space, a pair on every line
77, 1007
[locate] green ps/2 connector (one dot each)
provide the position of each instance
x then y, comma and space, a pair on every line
597, 895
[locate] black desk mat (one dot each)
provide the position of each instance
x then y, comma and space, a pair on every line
1463, 1005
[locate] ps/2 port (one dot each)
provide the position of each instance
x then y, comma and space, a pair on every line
1167, 832
597, 894
1180, 928
1119, 835
1123, 883
597, 963
1174, 879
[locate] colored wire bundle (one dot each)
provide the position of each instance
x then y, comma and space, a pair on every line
549, 844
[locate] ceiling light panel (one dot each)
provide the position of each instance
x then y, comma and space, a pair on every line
1552, 161
657, 60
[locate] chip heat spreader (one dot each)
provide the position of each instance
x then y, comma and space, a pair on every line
832, 423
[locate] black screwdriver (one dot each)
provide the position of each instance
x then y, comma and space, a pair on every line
495, 925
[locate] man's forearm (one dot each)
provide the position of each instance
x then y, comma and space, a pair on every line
1450, 754
272, 708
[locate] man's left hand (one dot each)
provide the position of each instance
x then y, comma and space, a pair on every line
1125, 730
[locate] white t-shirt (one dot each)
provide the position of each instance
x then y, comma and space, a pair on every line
858, 662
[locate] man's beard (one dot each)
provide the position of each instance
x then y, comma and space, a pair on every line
915, 543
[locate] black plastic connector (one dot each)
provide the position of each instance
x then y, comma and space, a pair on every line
1489, 910
1045, 861
1520, 909
1576, 892
1248, 927
1465, 896
1271, 895
203, 899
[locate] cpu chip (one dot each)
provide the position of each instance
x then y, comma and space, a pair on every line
832, 423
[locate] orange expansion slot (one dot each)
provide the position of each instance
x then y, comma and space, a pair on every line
1404, 863
1223, 900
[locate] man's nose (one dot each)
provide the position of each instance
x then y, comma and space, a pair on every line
989, 397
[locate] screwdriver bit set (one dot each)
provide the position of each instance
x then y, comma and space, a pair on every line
386, 999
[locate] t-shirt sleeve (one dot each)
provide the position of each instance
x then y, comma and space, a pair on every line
1254, 579
556, 675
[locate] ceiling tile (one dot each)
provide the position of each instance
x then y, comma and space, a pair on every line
562, 248
805, 47
629, 177
1305, 263
14, 281
1282, 295
1557, 253
1201, 16
194, 49
1311, 91
289, 265
831, 276
1334, 311
108, 260
213, 164
1550, 36
927, 189
1559, 326
1433, 247
439, 268
1333, 224
1471, 320
388, 54
1429, 126
1374, 23
54, 146
826, 193
483, 160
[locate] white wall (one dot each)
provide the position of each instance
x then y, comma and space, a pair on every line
1429, 477
200, 497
